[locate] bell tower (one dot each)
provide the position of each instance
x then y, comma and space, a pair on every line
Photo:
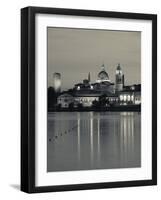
119, 79
57, 82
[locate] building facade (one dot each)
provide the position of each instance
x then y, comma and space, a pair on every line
65, 100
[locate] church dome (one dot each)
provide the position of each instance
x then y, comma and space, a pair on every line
103, 75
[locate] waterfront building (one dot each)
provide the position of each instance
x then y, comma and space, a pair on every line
137, 98
130, 95
65, 100
84, 99
87, 98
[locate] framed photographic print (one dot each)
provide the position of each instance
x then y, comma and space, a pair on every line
88, 99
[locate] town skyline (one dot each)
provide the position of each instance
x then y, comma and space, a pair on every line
92, 80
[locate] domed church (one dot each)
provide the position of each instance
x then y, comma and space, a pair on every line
102, 85
103, 75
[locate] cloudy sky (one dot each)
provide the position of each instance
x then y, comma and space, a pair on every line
76, 52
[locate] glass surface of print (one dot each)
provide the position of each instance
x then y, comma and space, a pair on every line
94, 99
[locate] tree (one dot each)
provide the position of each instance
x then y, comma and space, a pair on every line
71, 105
80, 106
95, 104
59, 106
52, 97
103, 100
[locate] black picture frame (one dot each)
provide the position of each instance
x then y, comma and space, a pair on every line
28, 98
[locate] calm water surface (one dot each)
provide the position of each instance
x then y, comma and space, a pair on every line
93, 140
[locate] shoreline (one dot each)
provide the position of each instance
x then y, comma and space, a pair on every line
129, 108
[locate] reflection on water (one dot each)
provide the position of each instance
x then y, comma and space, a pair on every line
93, 140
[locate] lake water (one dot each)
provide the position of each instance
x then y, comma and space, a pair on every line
93, 140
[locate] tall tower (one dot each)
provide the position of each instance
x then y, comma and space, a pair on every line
119, 79
57, 82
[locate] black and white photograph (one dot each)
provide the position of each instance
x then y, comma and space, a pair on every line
94, 99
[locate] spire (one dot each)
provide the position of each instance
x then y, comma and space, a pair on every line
118, 66
103, 67
89, 77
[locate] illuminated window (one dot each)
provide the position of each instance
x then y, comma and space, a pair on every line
132, 98
91, 87
125, 98
78, 88
128, 97
121, 97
